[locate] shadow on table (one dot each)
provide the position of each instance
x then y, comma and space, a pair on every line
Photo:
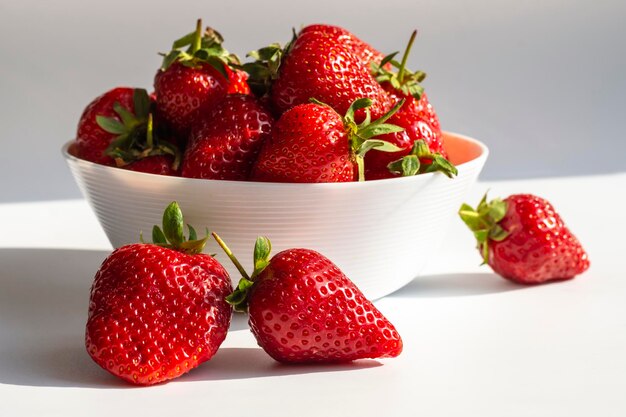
456, 285
44, 295
245, 363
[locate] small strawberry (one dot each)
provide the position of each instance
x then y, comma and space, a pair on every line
364, 51
158, 310
417, 116
302, 308
313, 143
116, 129
91, 139
316, 65
191, 82
224, 144
524, 239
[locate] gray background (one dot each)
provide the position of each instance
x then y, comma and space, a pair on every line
543, 83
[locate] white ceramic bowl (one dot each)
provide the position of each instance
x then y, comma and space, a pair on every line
380, 233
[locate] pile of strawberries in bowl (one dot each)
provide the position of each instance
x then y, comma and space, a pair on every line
322, 143
327, 107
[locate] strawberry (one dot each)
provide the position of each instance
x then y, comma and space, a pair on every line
158, 310
191, 82
524, 240
237, 81
225, 144
157, 164
313, 143
91, 139
364, 51
417, 116
116, 129
316, 65
302, 308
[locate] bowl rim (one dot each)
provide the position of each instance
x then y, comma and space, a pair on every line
480, 159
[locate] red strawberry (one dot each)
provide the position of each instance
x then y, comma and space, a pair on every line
237, 81
157, 164
225, 144
116, 129
91, 139
191, 82
302, 308
313, 143
364, 51
417, 116
158, 310
524, 239
316, 65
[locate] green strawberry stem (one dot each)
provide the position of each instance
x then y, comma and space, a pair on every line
172, 235
201, 47
484, 222
404, 81
362, 136
150, 132
197, 38
230, 255
262, 250
405, 57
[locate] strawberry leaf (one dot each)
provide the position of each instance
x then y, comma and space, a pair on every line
192, 233
141, 102
406, 166
484, 223
173, 224
110, 125
184, 41
262, 250
128, 119
157, 236
239, 298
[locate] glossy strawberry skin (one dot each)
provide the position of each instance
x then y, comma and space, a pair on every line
237, 81
157, 164
302, 308
184, 93
539, 248
364, 51
91, 139
156, 313
308, 144
319, 66
419, 121
225, 143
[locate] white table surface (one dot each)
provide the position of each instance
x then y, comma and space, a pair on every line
475, 345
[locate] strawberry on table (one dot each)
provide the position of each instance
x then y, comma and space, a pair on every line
316, 65
303, 309
116, 129
313, 143
225, 143
190, 82
158, 310
417, 116
525, 240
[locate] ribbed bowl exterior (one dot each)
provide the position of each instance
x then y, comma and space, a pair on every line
379, 233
